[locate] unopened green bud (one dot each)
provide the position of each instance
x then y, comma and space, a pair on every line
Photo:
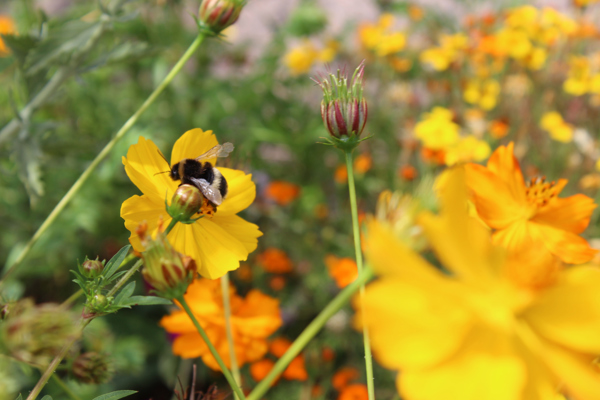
186, 202
35, 334
219, 14
99, 301
344, 109
93, 368
307, 19
92, 268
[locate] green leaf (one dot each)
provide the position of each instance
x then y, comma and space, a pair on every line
125, 294
115, 276
61, 44
146, 301
47, 397
20, 46
113, 265
20, 397
124, 52
119, 394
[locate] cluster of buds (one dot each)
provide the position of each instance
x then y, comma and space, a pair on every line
166, 270
186, 202
219, 14
35, 334
93, 368
344, 109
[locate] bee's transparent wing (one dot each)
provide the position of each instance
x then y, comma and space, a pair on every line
220, 150
210, 192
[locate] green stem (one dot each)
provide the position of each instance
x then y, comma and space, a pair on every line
235, 369
224, 369
359, 264
309, 332
125, 278
55, 362
104, 153
67, 303
64, 387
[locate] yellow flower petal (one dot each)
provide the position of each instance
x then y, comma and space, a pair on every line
138, 209
144, 165
192, 144
215, 250
401, 336
244, 231
569, 312
241, 192
486, 368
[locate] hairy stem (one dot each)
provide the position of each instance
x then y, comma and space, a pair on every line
309, 332
104, 153
359, 264
235, 369
213, 351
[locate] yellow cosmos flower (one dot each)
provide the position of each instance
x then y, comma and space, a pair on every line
450, 49
380, 38
529, 215
476, 334
467, 149
219, 240
436, 130
482, 92
559, 130
300, 59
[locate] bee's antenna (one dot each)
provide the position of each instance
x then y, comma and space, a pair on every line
163, 172
164, 158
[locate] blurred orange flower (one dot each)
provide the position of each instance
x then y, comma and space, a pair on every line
7, 27
327, 354
277, 283
343, 377
356, 391
283, 193
499, 129
260, 369
342, 270
254, 319
526, 215
363, 163
275, 261
407, 172
341, 174
295, 370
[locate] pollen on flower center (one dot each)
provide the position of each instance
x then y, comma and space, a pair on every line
539, 192
207, 209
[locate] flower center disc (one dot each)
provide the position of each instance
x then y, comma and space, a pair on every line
539, 192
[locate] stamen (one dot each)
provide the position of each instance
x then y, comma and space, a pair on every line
539, 192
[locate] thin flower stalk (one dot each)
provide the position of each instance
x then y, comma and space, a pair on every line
64, 387
234, 386
104, 153
359, 264
309, 333
235, 369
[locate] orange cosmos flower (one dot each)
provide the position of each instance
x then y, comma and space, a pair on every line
357, 391
343, 377
295, 370
283, 193
342, 270
275, 261
254, 319
260, 369
7, 27
527, 214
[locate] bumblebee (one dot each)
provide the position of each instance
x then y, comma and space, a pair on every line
202, 174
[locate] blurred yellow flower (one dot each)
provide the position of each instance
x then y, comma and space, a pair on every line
475, 333
467, 149
482, 92
436, 130
450, 49
380, 38
219, 240
300, 59
559, 130
581, 79
7, 27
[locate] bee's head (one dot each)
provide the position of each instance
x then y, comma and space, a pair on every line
174, 173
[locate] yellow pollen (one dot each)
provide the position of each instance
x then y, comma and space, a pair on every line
539, 192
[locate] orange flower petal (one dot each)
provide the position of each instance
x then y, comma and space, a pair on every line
567, 246
504, 164
570, 214
356, 391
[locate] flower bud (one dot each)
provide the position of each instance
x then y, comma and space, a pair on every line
35, 334
92, 268
219, 14
166, 270
186, 202
344, 109
93, 368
